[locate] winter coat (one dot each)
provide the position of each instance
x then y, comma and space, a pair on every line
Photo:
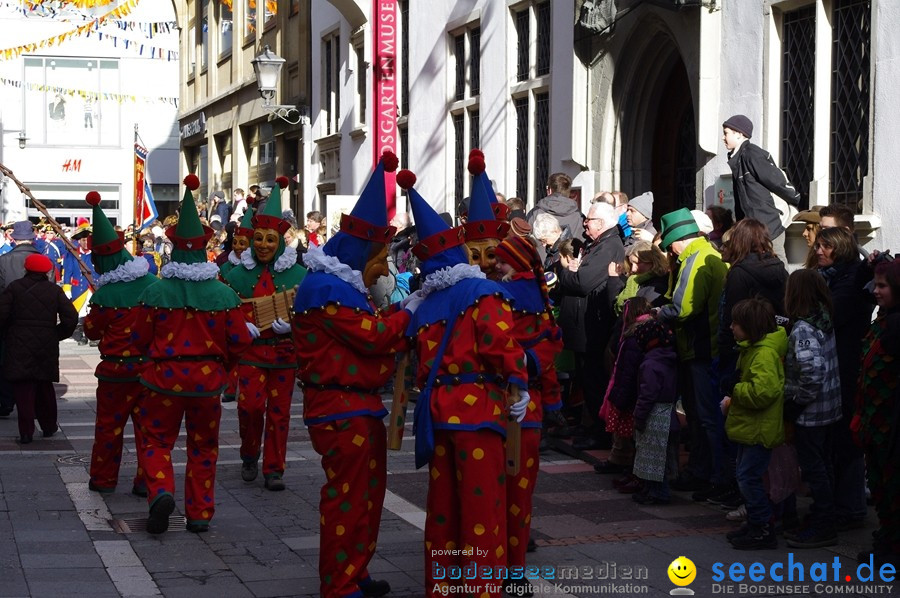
12, 264
752, 276
586, 315
623, 385
755, 414
564, 209
878, 397
853, 306
812, 386
647, 285
756, 177
695, 301
657, 382
28, 320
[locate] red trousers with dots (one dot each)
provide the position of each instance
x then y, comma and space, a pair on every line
519, 492
116, 402
354, 457
466, 506
264, 403
161, 417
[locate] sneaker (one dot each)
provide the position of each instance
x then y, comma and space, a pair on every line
249, 471
758, 537
49, 432
274, 483
739, 514
158, 522
811, 537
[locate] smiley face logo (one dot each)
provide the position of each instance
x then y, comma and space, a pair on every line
682, 571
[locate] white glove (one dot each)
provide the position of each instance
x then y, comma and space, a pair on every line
253, 330
411, 297
413, 302
280, 326
518, 409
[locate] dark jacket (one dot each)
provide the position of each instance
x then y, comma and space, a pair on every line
28, 321
657, 382
589, 319
853, 306
564, 209
624, 387
751, 277
756, 177
12, 264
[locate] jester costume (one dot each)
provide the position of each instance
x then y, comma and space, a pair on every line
111, 320
486, 223
265, 373
460, 416
875, 426
346, 351
191, 327
240, 242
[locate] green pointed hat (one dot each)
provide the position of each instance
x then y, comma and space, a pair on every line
189, 236
245, 229
107, 246
270, 217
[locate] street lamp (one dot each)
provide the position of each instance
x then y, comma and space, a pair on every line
22, 139
267, 66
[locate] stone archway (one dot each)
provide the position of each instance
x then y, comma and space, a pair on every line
656, 120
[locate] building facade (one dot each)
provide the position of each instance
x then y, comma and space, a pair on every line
620, 94
75, 85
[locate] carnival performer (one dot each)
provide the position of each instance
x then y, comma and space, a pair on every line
346, 351
191, 327
266, 372
110, 320
486, 223
76, 285
240, 242
537, 332
461, 412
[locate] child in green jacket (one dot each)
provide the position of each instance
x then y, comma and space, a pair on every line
754, 414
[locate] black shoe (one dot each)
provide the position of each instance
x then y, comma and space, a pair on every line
50, 432
518, 587
197, 527
758, 537
158, 522
5, 412
249, 471
812, 537
139, 490
95, 488
24, 440
604, 467
688, 483
708, 491
532, 545
274, 483
737, 533
372, 588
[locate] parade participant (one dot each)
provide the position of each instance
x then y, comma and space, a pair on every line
111, 319
536, 331
191, 327
461, 411
266, 372
75, 283
346, 351
485, 226
240, 241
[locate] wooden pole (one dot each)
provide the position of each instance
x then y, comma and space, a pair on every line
513, 439
398, 405
73, 249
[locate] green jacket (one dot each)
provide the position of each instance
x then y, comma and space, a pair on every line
695, 301
758, 399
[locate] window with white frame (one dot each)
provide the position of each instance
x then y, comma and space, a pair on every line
204, 36
465, 50
226, 28
531, 97
360, 72
331, 82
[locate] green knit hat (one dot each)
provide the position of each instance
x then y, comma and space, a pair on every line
107, 246
270, 217
676, 226
189, 236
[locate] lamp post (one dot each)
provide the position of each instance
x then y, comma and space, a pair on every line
23, 140
267, 66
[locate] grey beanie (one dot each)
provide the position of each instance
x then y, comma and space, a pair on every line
643, 203
741, 124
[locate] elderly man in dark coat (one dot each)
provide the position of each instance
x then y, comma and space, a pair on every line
588, 277
29, 308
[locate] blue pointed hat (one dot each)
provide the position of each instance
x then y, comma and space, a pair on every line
367, 223
482, 222
481, 185
439, 245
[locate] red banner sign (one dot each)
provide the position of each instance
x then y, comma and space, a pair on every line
140, 161
384, 91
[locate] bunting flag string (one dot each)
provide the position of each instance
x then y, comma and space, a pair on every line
84, 94
147, 28
86, 30
82, 4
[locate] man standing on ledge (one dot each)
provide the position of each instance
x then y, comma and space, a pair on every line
756, 177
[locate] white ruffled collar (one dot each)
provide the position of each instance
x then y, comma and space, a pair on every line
316, 260
192, 272
447, 277
233, 258
284, 261
130, 270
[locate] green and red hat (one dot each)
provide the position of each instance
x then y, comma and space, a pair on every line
189, 236
107, 245
270, 217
